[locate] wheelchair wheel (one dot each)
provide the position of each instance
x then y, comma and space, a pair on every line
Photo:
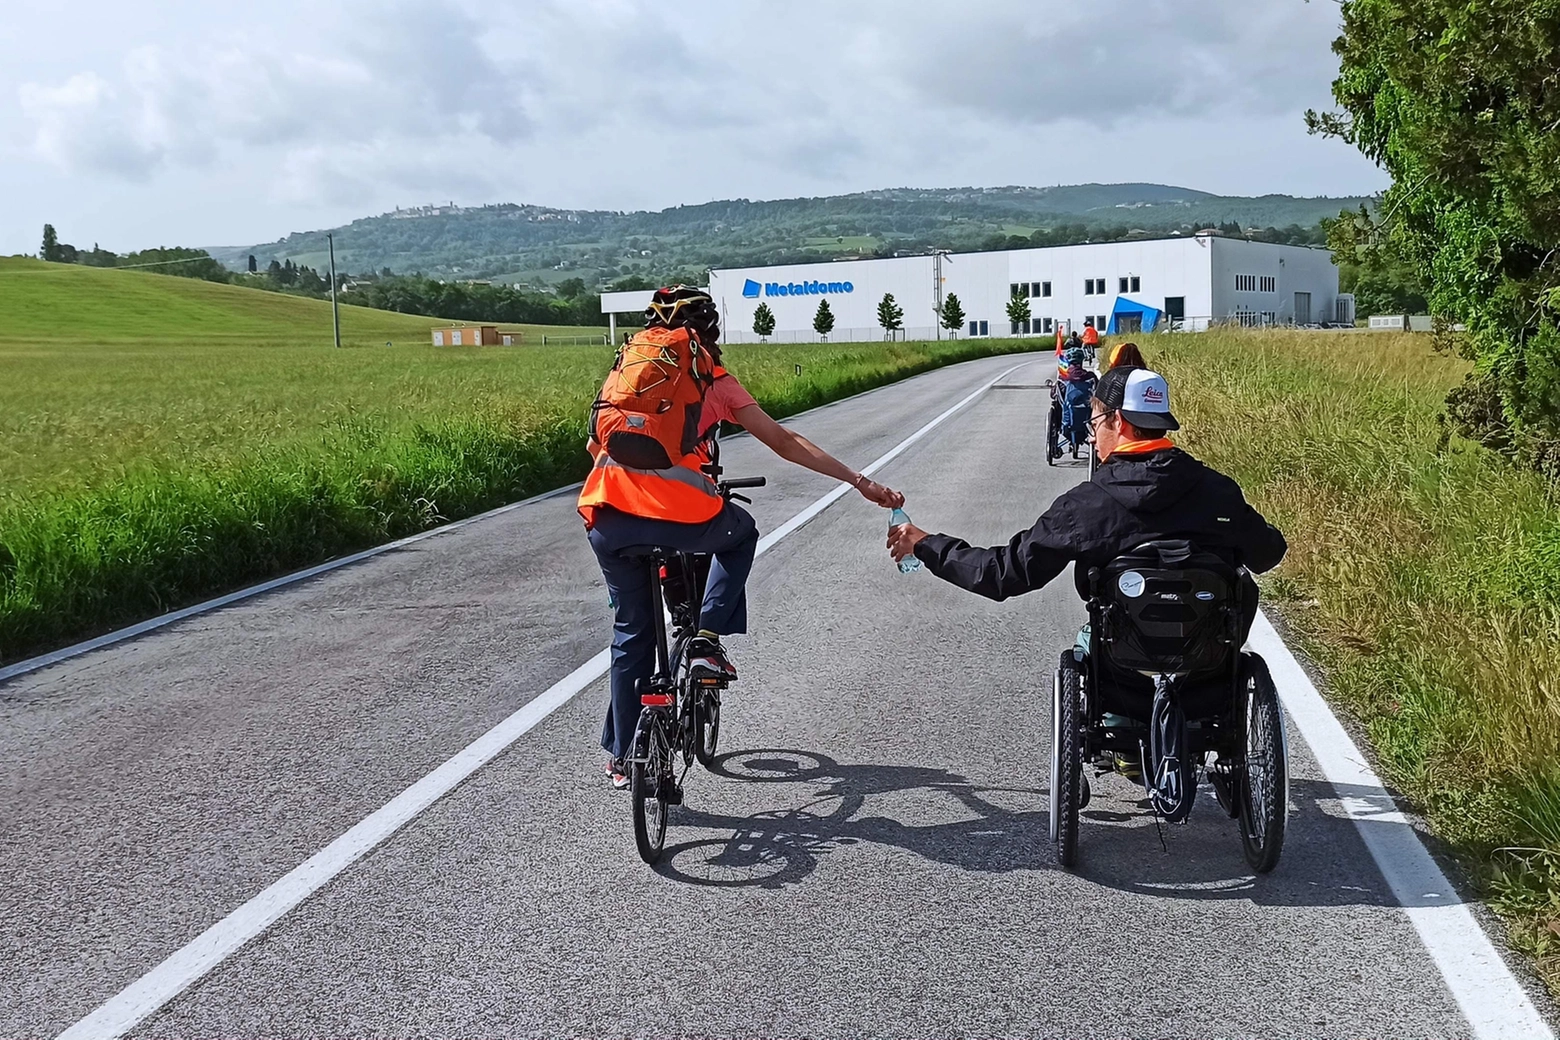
1053, 433
1066, 757
1264, 786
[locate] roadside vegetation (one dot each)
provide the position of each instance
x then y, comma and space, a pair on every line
1423, 577
164, 440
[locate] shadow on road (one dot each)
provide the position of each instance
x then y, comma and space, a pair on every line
841, 805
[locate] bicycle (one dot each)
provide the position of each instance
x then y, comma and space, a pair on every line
680, 711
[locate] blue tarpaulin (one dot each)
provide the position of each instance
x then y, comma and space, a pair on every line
1125, 306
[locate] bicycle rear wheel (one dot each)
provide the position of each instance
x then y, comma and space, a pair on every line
652, 763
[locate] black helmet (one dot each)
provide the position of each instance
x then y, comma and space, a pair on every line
684, 307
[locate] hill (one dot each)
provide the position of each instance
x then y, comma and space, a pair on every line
541, 245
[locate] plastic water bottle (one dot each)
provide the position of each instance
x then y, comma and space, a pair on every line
908, 565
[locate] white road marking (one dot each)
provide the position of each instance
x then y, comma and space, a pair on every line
122, 1012
1495, 1004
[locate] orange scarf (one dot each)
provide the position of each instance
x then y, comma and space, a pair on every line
1140, 447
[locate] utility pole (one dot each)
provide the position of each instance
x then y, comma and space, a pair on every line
335, 311
937, 288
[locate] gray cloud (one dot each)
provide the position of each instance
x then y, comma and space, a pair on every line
415, 73
245, 121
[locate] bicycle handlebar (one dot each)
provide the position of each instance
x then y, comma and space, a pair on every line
743, 482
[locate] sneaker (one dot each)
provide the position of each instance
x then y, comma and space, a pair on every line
1129, 766
617, 773
706, 657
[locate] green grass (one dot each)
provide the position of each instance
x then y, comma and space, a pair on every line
1423, 576
163, 440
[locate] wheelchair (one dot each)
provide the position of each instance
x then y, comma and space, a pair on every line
1164, 677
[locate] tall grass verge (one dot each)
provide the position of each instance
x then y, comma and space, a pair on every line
1423, 575
89, 554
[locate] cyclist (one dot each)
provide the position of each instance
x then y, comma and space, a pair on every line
1091, 336
680, 508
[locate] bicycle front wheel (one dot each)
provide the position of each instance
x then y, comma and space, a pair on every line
706, 726
652, 763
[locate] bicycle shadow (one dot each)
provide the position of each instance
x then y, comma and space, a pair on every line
1006, 829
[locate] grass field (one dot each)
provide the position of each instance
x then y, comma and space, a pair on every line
163, 439
1423, 576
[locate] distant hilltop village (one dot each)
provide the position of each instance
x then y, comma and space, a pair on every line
534, 214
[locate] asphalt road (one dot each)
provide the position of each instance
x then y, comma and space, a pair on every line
871, 859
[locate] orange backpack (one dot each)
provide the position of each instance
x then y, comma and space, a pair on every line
647, 413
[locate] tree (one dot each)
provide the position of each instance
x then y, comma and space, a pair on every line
890, 315
764, 321
823, 320
1018, 311
571, 288
952, 316
1456, 101
51, 245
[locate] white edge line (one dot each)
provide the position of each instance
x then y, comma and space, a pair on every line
1494, 1002
53, 657
124, 1011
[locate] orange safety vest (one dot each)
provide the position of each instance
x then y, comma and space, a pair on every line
682, 494
1091, 336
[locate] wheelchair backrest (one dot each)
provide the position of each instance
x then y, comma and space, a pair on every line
1167, 607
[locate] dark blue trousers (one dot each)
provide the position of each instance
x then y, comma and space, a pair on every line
731, 537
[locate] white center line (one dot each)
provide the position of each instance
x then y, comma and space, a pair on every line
122, 1012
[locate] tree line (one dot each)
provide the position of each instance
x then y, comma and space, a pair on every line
571, 304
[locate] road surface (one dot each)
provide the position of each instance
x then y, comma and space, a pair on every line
870, 860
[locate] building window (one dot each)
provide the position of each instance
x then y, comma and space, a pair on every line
1045, 326
1269, 283
1015, 288
1045, 288
1100, 322
974, 328
1124, 284
1270, 317
1137, 284
1094, 287
1245, 283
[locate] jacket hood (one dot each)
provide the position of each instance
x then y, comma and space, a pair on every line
1150, 482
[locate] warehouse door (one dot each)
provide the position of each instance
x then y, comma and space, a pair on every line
1302, 308
1175, 307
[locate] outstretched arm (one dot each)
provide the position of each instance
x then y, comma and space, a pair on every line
793, 447
1027, 562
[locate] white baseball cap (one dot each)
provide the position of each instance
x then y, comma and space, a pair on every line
1142, 397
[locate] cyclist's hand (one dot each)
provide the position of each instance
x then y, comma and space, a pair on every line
903, 539
879, 495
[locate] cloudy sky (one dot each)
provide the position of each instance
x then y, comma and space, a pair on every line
143, 122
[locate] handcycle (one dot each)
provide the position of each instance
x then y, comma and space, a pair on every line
680, 711
1171, 615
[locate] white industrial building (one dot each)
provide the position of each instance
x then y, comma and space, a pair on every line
1189, 282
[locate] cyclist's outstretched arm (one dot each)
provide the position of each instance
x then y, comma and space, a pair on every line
793, 447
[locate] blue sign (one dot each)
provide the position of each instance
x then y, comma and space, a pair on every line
750, 288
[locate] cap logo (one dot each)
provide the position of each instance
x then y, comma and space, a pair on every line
1153, 395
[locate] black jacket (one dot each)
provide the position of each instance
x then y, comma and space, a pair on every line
1132, 499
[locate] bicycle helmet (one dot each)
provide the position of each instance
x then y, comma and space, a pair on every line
684, 307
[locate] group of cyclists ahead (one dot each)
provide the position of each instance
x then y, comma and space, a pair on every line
653, 492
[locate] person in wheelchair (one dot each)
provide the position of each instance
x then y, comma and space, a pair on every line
1075, 389
1146, 490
